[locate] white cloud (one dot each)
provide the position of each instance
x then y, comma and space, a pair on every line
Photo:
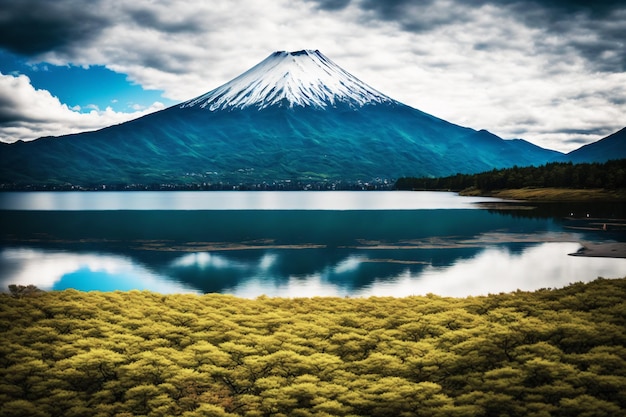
27, 113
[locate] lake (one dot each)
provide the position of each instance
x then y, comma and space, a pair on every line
299, 244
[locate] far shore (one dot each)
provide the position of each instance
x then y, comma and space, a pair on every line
552, 194
549, 195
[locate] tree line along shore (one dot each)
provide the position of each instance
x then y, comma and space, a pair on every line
552, 352
551, 182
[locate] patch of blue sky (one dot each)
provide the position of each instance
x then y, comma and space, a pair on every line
84, 88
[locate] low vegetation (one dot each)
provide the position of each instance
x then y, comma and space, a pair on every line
587, 181
546, 353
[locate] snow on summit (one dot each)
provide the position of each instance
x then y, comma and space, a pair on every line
301, 78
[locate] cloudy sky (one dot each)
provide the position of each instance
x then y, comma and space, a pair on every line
549, 71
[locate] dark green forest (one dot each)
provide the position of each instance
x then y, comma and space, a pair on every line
610, 175
553, 352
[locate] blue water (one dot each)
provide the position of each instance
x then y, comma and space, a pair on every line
291, 243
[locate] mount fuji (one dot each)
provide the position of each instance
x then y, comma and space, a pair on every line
294, 118
302, 79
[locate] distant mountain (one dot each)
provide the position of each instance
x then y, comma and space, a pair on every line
296, 116
611, 147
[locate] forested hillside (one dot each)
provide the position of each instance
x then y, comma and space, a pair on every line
609, 175
548, 353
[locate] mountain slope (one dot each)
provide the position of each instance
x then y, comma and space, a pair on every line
611, 147
294, 117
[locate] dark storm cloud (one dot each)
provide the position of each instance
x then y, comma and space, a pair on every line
331, 4
599, 8
595, 30
581, 136
31, 27
155, 20
173, 63
392, 9
414, 16
618, 101
7, 117
576, 142
595, 131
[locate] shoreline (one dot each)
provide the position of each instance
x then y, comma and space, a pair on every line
551, 195
591, 249
601, 250
607, 249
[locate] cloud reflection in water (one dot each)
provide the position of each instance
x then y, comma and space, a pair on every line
497, 268
58, 270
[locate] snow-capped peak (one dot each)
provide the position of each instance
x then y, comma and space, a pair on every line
301, 78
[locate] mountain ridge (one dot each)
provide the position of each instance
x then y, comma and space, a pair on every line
610, 147
294, 117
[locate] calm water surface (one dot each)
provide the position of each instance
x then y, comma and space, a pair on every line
295, 243
228, 200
